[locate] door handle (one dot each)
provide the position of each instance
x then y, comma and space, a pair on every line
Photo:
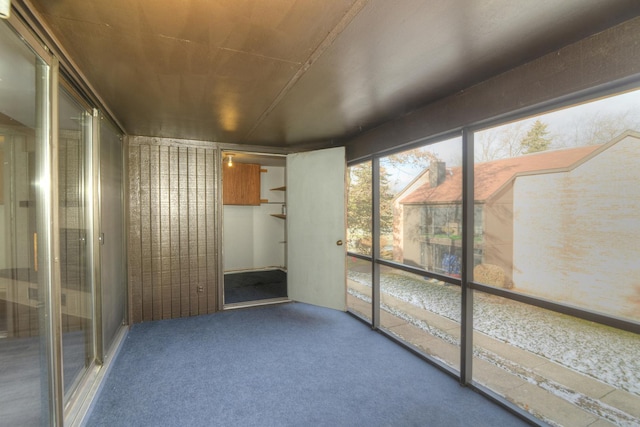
35, 252
339, 243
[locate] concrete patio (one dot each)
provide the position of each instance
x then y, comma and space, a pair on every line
553, 393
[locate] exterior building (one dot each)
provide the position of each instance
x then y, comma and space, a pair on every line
537, 217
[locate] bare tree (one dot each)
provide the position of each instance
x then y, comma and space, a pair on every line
499, 143
599, 128
512, 140
418, 157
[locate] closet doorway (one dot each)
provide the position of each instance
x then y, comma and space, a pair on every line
254, 228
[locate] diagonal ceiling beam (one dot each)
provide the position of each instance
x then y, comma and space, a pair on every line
322, 47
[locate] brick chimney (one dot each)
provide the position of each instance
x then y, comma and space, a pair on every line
437, 173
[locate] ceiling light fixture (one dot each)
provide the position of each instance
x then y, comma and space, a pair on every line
230, 161
5, 9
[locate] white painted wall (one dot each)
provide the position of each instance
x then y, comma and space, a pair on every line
577, 234
238, 237
253, 239
269, 246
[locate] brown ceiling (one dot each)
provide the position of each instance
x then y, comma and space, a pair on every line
287, 72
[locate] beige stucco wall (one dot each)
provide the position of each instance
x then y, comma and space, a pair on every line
411, 241
497, 241
400, 221
398, 231
577, 234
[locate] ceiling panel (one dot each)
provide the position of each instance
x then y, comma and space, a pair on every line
285, 72
390, 60
196, 69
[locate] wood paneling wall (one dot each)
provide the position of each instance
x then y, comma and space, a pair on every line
172, 229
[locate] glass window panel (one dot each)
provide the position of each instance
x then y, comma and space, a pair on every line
77, 313
421, 207
559, 201
359, 208
113, 274
24, 348
423, 312
562, 369
359, 286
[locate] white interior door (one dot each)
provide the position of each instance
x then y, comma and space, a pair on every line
316, 227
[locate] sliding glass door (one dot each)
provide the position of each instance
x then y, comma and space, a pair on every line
53, 318
25, 327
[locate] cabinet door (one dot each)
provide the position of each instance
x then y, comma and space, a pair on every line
316, 227
241, 184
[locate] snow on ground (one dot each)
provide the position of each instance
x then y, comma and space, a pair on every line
604, 353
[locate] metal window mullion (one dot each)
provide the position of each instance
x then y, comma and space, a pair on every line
23, 28
375, 242
95, 231
89, 215
419, 271
466, 308
559, 307
124, 203
85, 194
48, 247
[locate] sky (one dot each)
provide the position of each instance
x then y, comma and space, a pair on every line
565, 123
567, 127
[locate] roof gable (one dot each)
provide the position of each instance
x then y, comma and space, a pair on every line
491, 177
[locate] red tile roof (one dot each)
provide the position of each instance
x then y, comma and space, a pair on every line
492, 176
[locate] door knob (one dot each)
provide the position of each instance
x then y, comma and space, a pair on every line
339, 243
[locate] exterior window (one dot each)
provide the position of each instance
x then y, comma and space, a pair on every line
441, 231
555, 219
560, 200
421, 227
359, 208
359, 238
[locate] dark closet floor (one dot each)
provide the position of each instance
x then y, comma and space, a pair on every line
254, 285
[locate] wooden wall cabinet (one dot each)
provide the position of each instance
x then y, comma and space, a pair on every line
241, 184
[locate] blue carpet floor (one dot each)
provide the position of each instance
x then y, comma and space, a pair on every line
282, 365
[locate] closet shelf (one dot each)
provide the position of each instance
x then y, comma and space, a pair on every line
281, 216
279, 189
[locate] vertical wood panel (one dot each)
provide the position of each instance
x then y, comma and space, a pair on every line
202, 231
184, 230
156, 267
193, 232
135, 238
173, 238
145, 229
174, 213
165, 234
